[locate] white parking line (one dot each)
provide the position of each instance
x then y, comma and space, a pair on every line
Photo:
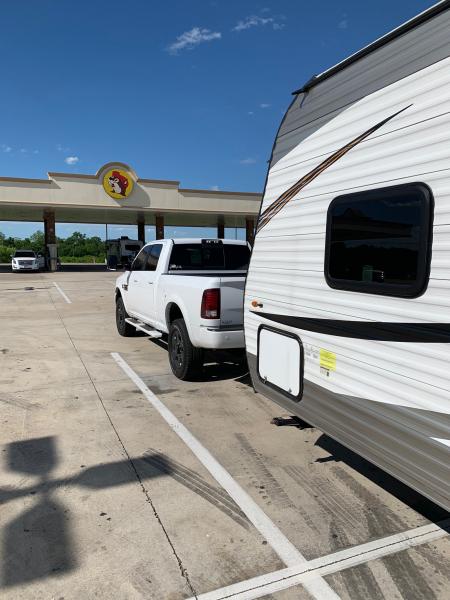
279, 542
442, 441
325, 565
62, 293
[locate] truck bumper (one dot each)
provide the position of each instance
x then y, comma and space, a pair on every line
216, 338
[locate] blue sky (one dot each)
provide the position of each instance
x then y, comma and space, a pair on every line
186, 90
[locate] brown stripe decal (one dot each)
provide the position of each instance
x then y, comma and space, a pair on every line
289, 194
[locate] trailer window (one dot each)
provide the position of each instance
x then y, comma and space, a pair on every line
379, 241
133, 248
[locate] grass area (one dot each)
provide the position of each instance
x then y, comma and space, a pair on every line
83, 259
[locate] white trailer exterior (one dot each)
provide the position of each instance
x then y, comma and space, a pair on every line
347, 300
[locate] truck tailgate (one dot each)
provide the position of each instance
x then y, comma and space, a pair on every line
232, 300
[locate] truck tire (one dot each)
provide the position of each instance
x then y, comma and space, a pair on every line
185, 360
124, 328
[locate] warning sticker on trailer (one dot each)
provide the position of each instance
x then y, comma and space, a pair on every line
327, 360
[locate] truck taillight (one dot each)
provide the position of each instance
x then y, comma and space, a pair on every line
211, 304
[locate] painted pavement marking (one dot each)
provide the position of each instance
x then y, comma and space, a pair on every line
62, 293
304, 573
288, 553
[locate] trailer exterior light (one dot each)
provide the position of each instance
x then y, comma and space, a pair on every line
211, 304
257, 304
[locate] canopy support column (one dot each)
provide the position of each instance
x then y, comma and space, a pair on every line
51, 251
141, 228
159, 226
49, 227
220, 228
250, 230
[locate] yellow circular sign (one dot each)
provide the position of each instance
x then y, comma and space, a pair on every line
118, 183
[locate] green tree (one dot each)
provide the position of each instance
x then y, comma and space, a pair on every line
37, 241
76, 248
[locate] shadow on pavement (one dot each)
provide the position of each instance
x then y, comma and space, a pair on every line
82, 267
40, 542
223, 368
191, 480
218, 365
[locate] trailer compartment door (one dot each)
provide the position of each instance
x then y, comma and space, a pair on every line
280, 361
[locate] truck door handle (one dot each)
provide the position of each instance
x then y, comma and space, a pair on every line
150, 282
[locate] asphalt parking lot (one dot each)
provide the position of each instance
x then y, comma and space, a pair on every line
119, 481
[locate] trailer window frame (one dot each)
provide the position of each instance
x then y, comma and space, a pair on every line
424, 248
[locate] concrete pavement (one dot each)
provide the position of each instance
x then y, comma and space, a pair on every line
102, 499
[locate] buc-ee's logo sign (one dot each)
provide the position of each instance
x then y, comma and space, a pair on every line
117, 183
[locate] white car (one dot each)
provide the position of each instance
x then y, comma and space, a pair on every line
190, 289
27, 260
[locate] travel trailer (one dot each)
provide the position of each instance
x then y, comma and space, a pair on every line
347, 299
120, 252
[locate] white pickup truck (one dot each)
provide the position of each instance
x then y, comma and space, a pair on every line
190, 289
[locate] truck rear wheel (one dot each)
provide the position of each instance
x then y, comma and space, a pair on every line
124, 328
185, 360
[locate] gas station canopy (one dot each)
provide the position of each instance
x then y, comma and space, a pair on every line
116, 195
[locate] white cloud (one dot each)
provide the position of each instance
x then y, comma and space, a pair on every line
252, 21
71, 160
264, 105
35, 151
248, 161
257, 21
6, 148
250, 112
61, 148
343, 23
189, 39
215, 188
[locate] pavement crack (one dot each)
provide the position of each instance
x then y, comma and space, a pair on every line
183, 570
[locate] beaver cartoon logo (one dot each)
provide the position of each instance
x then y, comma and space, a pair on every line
118, 183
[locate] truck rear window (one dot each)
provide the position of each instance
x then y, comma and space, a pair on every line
209, 257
